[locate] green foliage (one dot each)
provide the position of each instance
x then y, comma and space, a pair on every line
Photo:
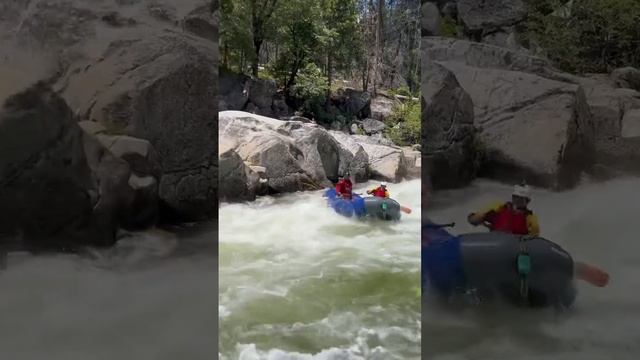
404, 124
235, 34
589, 36
448, 27
402, 90
311, 87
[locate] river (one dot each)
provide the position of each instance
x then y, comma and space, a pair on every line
596, 224
298, 281
151, 297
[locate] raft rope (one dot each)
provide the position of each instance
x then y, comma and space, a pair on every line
523, 262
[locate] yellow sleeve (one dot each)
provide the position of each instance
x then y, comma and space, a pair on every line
386, 193
532, 224
495, 207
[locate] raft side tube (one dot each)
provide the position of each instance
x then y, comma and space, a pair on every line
489, 262
382, 208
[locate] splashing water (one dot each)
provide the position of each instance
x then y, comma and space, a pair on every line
298, 281
150, 297
596, 224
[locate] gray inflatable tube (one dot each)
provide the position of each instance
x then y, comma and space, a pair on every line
382, 208
490, 263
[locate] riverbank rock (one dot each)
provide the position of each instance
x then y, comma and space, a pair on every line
352, 103
358, 166
242, 93
627, 77
447, 128
385, 162
234, 181
142, 69
492, 22
272, 144
373, 126
382, 107
431, 19
146, 173
520, 104
298, 156
60, 188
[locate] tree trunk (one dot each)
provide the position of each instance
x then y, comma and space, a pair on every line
329, 74
225, 55
257, 43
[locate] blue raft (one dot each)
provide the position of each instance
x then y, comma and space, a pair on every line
363, 207
532, 271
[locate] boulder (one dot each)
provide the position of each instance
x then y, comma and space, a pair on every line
518, 108
373, 126
275, 145
356, 160
242, 93
353, 102
431, 19
447, 130
234, 182
376, 139
146, 173
59, 187
488, 16
385, 162
627, 77
382, 107
201, 22
166, 99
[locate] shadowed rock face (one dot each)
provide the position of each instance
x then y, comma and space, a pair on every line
144, 73
447, 128
132, 67
59, 187
519, 104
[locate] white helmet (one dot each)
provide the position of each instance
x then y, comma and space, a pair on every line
383, 183
522, 191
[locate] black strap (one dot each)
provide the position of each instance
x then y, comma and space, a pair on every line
439, 226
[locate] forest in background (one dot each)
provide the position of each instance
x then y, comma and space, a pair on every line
312, 48
579, 36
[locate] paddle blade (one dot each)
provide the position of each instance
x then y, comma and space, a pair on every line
592, 275
405, 209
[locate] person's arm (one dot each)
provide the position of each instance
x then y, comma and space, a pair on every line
369, 192
386, 193
478, 218
533, 226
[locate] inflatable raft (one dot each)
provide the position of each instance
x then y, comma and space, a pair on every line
364, 207
527, 271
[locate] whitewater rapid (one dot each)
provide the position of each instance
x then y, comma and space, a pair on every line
596, 223
152, 297
298, 281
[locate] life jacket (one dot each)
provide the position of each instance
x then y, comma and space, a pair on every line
348, 186
344, 187
510, 221
379, 192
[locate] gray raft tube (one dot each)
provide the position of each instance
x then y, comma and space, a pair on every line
490, 265
382, 208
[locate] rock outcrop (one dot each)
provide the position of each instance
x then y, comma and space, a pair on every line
131, 137
60, 188
519, 106
521, 103
242, 93
447, 128
297, 156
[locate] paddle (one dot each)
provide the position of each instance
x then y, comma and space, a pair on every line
405, 209
591, 274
